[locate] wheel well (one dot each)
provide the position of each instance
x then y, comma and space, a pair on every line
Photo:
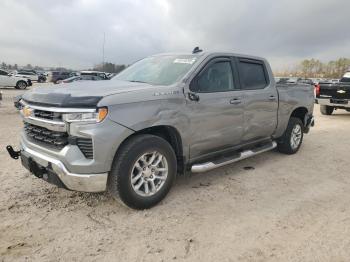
21, 81
171, 135
300, 113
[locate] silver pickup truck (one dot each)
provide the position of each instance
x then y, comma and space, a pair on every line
165, 115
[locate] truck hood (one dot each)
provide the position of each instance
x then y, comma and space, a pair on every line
80, 94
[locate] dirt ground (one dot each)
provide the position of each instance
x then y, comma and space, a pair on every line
287, 208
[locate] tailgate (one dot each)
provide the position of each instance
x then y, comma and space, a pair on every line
335, 91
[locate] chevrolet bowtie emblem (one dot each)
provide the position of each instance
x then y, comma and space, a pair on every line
341, 91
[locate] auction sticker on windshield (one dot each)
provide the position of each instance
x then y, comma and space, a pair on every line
184, 61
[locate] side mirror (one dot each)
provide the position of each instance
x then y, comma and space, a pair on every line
193, 97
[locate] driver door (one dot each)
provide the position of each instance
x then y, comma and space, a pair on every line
215, 105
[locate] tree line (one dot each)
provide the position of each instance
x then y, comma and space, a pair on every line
109, 67
314, 68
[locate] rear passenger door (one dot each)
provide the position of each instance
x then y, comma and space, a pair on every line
260, 100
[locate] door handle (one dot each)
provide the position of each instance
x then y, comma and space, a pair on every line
235, 101
272, 98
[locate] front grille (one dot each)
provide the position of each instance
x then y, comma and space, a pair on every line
46, 136
47, 115
85, 146
58, 140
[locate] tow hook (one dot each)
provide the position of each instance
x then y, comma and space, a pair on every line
14, 154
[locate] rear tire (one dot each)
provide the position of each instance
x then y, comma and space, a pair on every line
326, 110
21, 85
136, 178
292, 138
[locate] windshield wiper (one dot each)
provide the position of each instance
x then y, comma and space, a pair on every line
137, 81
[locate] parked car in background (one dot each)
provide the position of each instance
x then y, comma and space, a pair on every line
332, 96
17, 82
281, 80
33, 75
57, 76
295, 80
81, 78
111, 75
292, 80
162, 116
103, 75
307, 81
30, 75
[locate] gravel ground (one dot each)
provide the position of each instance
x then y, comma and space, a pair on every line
284, 208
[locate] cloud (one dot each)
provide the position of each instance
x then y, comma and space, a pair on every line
70, 32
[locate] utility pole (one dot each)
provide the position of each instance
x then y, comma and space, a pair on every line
103, 51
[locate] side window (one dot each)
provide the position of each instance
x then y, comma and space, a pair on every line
3, 73
252, 75
216, 78
88, 77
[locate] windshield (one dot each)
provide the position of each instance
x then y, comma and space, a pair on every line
158, 70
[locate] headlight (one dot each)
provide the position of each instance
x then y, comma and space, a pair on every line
26, 111
94, 117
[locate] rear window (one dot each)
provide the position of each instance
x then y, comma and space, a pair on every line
252, 75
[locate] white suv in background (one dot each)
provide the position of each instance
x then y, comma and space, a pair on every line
17, 82
29, 75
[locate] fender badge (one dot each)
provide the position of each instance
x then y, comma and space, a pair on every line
166, 93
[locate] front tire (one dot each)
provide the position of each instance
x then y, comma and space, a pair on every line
326, 110
292, 138
21, 85
143, 171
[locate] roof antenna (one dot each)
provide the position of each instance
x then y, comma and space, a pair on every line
196, 50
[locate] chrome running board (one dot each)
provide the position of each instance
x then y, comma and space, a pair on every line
204, 167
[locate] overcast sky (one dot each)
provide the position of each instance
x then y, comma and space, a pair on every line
70, 32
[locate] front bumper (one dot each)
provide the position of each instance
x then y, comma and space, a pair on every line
68, 166
55, 172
